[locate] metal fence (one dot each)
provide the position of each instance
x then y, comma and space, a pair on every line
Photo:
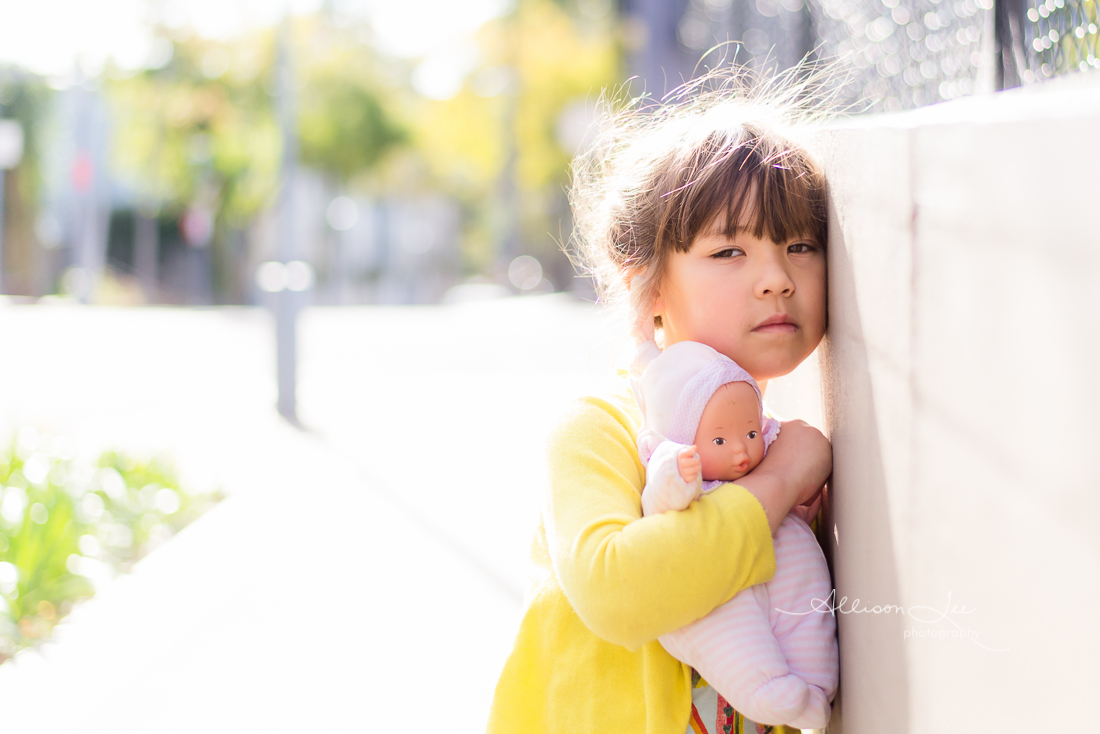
899, 54
1059, 36
911, 53
903, 54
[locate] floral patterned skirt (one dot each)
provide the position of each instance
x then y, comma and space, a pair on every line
711, 713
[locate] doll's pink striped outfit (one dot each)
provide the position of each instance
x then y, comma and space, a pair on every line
769, 650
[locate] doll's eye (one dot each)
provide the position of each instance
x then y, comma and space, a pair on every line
719, 442
752, 435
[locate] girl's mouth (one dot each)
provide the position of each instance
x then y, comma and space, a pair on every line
779, 323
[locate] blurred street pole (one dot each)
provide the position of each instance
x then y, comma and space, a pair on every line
286, 300
146, 244
509, 175
88, 187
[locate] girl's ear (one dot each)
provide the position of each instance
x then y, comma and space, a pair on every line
653, 317
658, 297
644, 307
644, 315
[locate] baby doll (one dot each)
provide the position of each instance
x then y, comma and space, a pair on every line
767, 651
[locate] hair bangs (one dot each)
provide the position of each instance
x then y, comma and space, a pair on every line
753, 184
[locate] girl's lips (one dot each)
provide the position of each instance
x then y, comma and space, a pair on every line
776, 329
780, 323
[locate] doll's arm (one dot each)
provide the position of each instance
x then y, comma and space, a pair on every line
667, 486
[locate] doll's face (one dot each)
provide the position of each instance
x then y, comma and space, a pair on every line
729, 438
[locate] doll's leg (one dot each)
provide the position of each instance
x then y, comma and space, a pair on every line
806, 636
733, 648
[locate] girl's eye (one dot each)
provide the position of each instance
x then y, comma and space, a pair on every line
719, 442
800, 248
727, 253
752, 435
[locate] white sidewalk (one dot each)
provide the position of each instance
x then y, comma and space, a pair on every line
364, 575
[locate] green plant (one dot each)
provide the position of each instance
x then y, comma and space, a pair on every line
68, 525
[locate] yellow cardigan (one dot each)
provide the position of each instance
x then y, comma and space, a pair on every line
586, 658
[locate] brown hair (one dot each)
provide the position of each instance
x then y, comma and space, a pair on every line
721, 149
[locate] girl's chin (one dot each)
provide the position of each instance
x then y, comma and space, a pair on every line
774, 365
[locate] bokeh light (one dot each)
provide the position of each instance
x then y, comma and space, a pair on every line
525, 272
342, 213
271, 277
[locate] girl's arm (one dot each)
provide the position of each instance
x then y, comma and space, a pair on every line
632, 579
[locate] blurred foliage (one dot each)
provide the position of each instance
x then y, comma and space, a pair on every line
208, 119
200, 132
67, 525
203, 131
344, 127
24, 98
185, 128
500, 131
535, 61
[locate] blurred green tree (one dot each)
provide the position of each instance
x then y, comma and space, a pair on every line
344, 127
500, 134
203, 129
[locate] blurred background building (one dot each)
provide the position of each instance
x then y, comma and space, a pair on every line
424, 168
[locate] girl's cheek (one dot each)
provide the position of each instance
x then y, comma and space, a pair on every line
817, 302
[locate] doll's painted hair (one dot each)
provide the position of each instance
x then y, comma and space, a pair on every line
721, 149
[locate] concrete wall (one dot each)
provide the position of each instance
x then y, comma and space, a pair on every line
958, 385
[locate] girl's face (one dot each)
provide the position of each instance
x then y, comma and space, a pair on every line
761, 303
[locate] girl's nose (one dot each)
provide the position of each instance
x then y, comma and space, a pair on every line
774, 279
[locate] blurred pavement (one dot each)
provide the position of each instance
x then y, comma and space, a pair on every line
365, 572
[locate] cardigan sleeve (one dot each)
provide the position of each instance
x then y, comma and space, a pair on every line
629, 578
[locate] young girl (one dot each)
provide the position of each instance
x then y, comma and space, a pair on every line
767, 652
711, 221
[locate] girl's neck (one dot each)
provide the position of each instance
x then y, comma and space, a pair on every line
763, 385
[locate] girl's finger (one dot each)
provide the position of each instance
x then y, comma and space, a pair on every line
814, 506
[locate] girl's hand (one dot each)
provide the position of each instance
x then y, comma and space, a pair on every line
809, 511
792, 473
688, 464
